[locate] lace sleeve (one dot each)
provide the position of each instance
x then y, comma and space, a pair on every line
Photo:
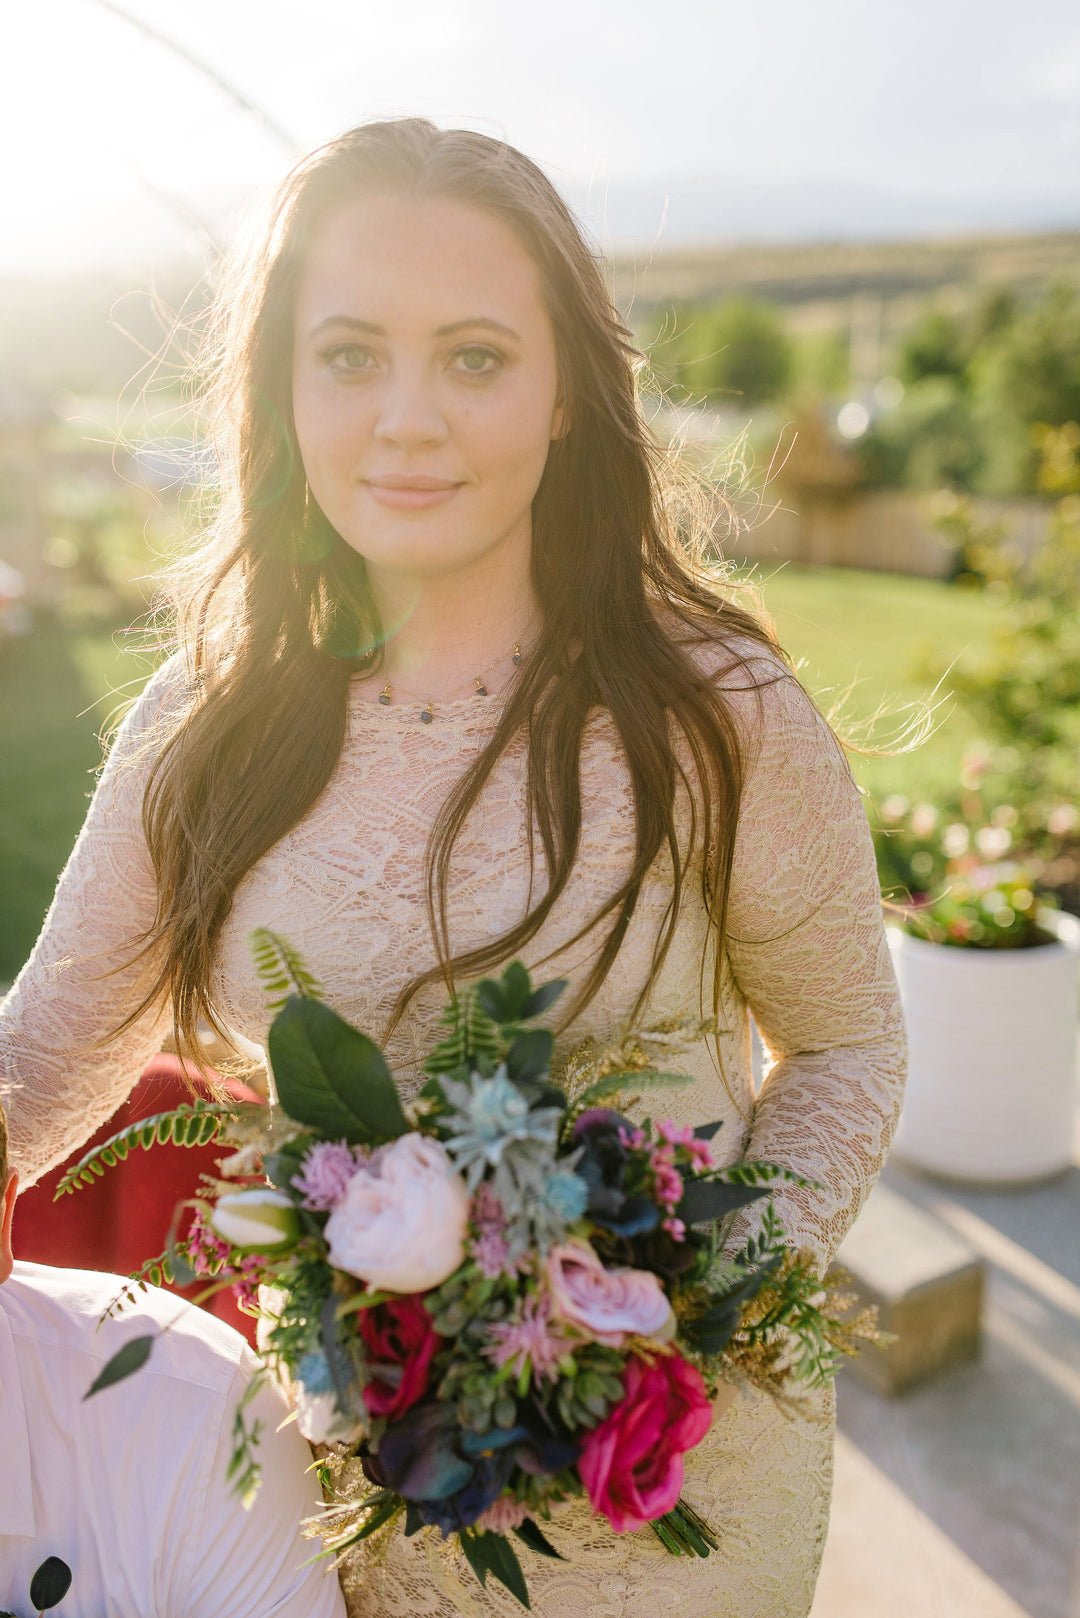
807, 946
61, 1075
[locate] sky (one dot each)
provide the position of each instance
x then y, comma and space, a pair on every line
667, 120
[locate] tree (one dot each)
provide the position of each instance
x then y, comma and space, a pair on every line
735, 352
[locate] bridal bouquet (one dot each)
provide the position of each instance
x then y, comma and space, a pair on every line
510, 1292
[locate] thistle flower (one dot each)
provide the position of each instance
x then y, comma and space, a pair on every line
529, 1339
324, 1173
503, 1515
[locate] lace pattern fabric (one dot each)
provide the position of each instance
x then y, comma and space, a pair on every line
806, 955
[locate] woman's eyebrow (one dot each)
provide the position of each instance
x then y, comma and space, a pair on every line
368, 326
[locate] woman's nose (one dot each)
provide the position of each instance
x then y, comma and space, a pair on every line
409, 411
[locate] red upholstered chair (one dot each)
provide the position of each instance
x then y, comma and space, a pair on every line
123, 1219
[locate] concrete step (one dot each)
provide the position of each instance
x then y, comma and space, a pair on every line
927, 1284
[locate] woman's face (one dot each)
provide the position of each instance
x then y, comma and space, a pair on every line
425, 393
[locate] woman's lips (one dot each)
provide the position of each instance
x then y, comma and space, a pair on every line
410, 494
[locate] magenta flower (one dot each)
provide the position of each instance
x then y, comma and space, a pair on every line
699, 1151
209, 1255
325, 1172
530, 1338
632, 1463
667, 1181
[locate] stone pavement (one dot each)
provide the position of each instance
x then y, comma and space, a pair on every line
961, 1499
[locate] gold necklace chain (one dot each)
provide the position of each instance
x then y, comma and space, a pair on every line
427, 713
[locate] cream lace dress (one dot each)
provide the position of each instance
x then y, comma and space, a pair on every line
806, 955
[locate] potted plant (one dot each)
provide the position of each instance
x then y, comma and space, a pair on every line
988, 974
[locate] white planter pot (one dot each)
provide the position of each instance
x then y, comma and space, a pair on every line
992, 1074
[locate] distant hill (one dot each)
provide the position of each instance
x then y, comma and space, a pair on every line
816, 281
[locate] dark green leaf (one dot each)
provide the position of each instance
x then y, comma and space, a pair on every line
129, 1359
712, 1199
50, 1583
331, 1076
541, 998
475, 1555
529, 1057
707, 1131
531, 1535
502, 1563
413, 1520
492, 1001
517, 990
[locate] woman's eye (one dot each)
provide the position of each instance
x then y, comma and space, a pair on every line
349, 358
477, 361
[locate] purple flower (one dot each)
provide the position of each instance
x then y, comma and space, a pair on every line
325, 1172
490, 1246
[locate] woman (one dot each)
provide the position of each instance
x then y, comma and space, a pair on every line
451, 691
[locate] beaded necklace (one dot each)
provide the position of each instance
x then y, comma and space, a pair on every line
427, 713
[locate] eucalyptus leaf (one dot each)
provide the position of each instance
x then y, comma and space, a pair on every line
331, 1076
125, 1362
529, 1057
50, 1583
541, 998
703, 1200
475, 1555
492, 1002
533, 1536
503, 1564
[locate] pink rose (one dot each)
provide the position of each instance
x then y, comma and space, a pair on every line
632, 1463
608, 1303
403, 1218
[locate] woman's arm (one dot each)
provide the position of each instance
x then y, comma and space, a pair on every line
57, 1083
807, 945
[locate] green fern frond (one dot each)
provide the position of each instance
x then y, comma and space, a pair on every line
752, 1173
626, 1084
155, 1272
472, 1034
194, 1123
281, 968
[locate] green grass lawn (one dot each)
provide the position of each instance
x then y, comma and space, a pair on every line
58, 688
863, 637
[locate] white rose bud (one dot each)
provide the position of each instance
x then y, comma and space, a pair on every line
259, 1219
319, 1419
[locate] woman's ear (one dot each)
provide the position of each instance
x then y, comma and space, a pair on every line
7, 1214
560, 420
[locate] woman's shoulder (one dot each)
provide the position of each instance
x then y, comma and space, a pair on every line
753, 678
152, 714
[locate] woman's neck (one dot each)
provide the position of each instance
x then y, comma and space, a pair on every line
443, 633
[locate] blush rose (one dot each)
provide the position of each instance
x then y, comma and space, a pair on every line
632, 1463
402, 1220
609, 1304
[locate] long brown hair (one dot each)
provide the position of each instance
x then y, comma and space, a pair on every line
276, 614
